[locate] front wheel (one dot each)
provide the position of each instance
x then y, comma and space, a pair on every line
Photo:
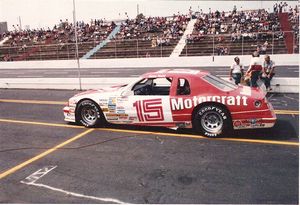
89, 114
212, 121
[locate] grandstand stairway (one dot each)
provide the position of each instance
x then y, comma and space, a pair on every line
103, 43
182, 42
3, 41
287, 28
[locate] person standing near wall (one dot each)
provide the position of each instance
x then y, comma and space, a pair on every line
236, 71
254, 69
268, 72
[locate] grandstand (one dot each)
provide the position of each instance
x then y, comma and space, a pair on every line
214, 33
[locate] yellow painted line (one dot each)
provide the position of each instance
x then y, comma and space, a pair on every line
156, 133
274, 142
43, 154
286, 112
41, 102
41, 123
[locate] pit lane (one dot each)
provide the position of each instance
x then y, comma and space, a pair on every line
140, 165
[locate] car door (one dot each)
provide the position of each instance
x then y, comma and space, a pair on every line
182, 101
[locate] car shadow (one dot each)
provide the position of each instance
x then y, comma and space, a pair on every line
283, 130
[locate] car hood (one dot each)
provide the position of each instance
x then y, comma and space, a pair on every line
111, 90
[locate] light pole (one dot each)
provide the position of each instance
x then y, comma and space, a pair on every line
76, 44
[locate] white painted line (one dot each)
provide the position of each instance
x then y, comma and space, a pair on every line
37, 175
31, 179
222, 75
30, 76
296, 71
104, 72
61, 72
13, 73
78, 195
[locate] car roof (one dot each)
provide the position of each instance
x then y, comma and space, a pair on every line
175, 73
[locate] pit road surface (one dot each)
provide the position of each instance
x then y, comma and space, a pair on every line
140, 165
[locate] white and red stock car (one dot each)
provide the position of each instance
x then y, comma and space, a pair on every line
175, 98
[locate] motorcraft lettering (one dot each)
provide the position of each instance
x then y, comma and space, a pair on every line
181, 103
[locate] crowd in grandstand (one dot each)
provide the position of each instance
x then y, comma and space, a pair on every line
60, 33
251, 25
160, 30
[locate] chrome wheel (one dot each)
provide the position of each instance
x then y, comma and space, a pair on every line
212, 122
89, 114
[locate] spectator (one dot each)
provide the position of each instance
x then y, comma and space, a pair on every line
268, 71
236, 71
254, 69
154, 42
264, 48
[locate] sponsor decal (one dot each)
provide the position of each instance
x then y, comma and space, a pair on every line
123, 118
112, 101
181, 103
122, 99
112, 107
105, 109
116, 115
133, 118
250, 123
237, 123
103, 100
120, 111
112, 118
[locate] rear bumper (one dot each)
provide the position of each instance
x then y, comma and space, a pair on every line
261, 119
69, 114
253, 123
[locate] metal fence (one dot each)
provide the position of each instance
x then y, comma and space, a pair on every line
206, 45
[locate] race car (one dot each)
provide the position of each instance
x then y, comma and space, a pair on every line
175, 98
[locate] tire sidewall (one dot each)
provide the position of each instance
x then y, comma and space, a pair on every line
211, 108
94, 106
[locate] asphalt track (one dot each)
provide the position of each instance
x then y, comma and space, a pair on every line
281, 71
125, 164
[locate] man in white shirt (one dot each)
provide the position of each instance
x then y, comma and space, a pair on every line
268, 72
255, 69
236, 71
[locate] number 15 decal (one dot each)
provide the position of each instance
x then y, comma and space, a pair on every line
149, 110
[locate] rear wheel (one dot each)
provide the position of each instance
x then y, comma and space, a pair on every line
212, 121
89, 114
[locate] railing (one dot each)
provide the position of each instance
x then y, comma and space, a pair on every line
208, 45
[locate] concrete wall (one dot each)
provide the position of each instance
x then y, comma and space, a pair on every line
201, 62
281, 85
285, 85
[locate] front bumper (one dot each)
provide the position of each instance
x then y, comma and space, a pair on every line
69, 114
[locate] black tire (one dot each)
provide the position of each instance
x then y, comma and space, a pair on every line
212, 121
89, 114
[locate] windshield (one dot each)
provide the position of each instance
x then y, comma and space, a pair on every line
127, 89
220, 83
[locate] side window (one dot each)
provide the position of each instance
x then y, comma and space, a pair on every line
161, 86
153, 86
143, 87
183, 87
